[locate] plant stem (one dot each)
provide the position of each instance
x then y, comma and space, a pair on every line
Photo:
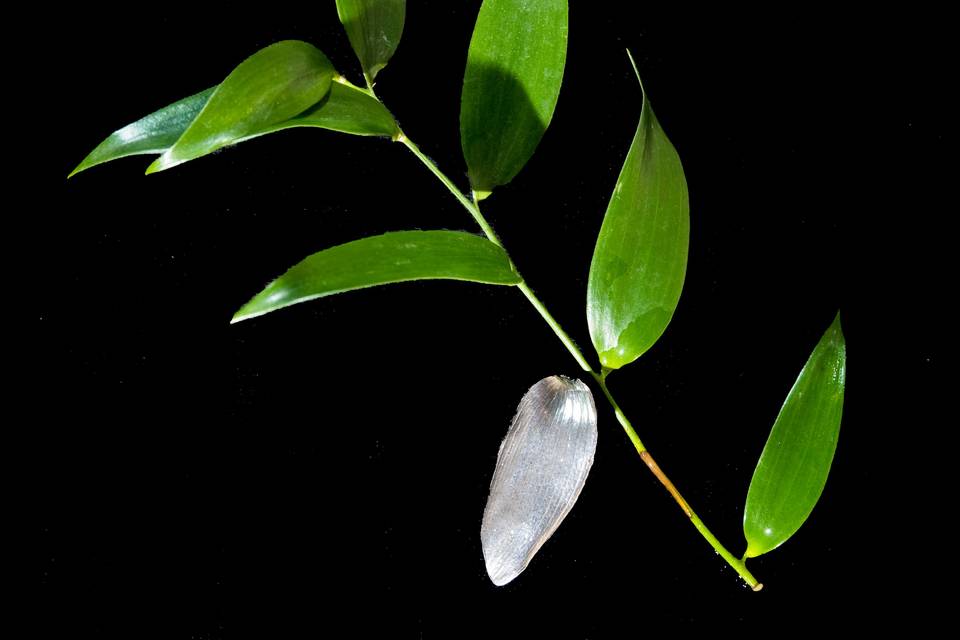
601, 379
738, 565
467, 204
557, 329
473, 207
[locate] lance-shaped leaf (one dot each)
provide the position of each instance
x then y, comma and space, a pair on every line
400, 256
152, 134
273, 85
345, 108
542, 466
795, 462
510, 88
374, 28
640, 259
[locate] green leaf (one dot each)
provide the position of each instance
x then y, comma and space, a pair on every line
345, 108
510, 88
374, 28
273, 85
400, 256
640, 259
151, 134
795, 462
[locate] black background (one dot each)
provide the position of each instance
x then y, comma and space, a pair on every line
327, 465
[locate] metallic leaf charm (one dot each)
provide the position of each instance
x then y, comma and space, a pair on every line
541, 468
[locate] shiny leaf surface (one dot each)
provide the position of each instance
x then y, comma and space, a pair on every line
273, 85
152, 134
344, 108
510, 88
400, 256
640, 259
374, 28
796, 460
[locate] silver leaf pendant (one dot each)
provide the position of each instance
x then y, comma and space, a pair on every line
541, 468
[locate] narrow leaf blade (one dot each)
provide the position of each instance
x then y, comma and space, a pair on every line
345, 109
273, 85
374, 28
640, 259
510, 88
400, 256
151, 134
796, 460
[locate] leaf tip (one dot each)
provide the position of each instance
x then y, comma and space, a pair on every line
155, 167
835, 331
80, 167
251, 309
243, 313
633, 64
171, 158
166, 160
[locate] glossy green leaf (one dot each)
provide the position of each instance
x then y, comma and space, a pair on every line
345, 109
273, 85
795, 462
374, 28
400, 256
151, 134
640, 260
510, 88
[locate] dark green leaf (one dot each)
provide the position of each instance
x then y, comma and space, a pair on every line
795, 462
374, 28
273, 85
393, 257
510, 88
151, 134
345, 109
640, 259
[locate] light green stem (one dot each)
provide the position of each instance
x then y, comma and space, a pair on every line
464, 200
738, 565
557, 329
473, 207
601, 379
